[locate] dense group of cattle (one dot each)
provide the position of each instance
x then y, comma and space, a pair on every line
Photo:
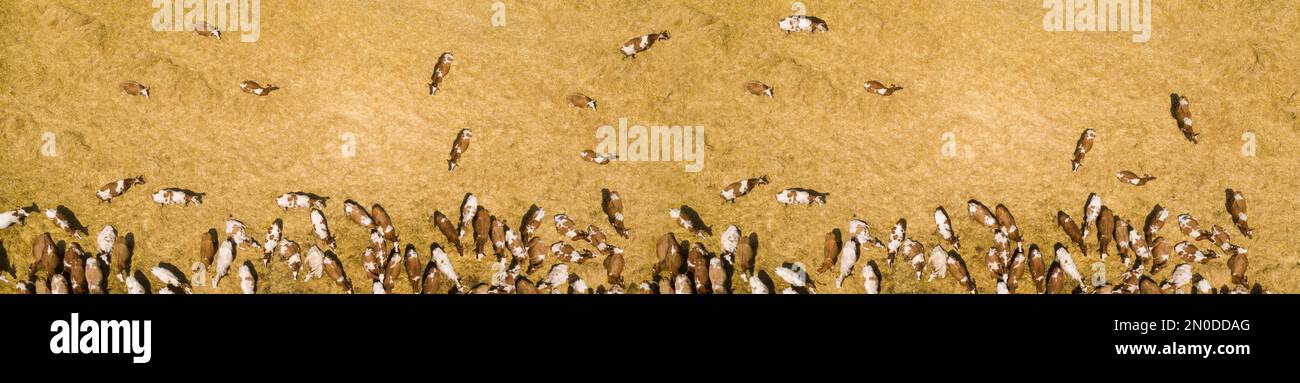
680, 265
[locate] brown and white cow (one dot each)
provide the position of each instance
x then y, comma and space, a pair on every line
861, 231
1037, 268
744, 259
1007, 221
121, 259
740, 188
802, 23
1236, 206
641, 44
531, 221
597, 158
133, 88
671, 259
758, 89
1190, 253
1016, 270
1132, 178
458, 148
383, 223
252, 87
1155, 221
1180, 109
579, 100
448, 231
358, 214
207, 30
440, 71
1091, 211
274, 234
1237, 265
238, 232
567, 253
914, 254
876, 87
300, 200
612, 205
291, 254
320, 227
848, 256
1191, 227
45, 257
74, 262
957, 267
567, 228
113, 189
982, 214
1082, 147
334, 268
897, 238
177, 196
94, 272
536, 254
1160, 251
801, 196
1071, 230
614, 269
943, 226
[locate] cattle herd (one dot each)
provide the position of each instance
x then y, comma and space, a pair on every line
681, 265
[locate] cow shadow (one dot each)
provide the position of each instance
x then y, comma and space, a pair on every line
6, 265
144, 281
694, 217
73, 222
184, 278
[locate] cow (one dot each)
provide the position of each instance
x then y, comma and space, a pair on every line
133, 88
1191, 227
238, 232
1236, 206
291, 254
207, 30
641, 44
383, 223
1189, 253
320, 227
448, 231
1105, 231
1071, 230
1091, 211
579, 100
468, 209
441, 69
1082, 147
458, 148
938, 263
848, 256
943, 226
314, 263
802, 23
247, 280
274, 234
758, 89
536, 254
897, 237
1132, 178
1155, 220
113, 189
176, 196
300, 200
1180, 109
358, 214
597, 158
444, 265
740, 188
334, 268
861, 231
612, 205
614, 269
914, 254
45, 256
121, 256
1007, 222
207, 253
532, 220
671, 259
876, 87
745, 253
252, 87
74, 263
800, 196
957, 266
225, 258
831, 247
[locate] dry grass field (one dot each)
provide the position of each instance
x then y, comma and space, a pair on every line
1014, 97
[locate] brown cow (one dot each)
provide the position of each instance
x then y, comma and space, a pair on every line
113, 189
1237, 266
981, 214
1155, 221
690, 220
1236, 206
580, 100
358, 214
1180, 109
448, 231
876, 87
252, 87
458, 148
1132, 178
830, 250
1071, 230
740, 188
597, 158
957, 267
1037, 268
612, 204
1082, 147
440, 71
121, 260
670, 256
482, 232
1105, 231
758, 89
133, 88
641, 44
614, 269
1191, 227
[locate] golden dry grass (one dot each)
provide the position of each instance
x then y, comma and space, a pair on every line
1015, 97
